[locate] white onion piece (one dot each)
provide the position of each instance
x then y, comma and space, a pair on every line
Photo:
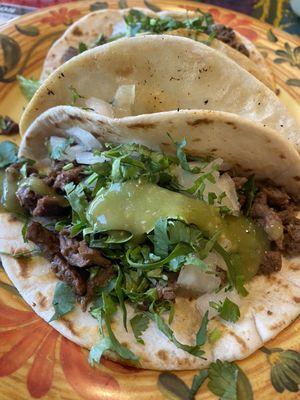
226, 184
56, 141
100, 106
85, 138
71, 152
124, 100
192, 279
86, 157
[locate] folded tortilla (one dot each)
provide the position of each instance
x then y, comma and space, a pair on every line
111, 23
194, 77
273, 301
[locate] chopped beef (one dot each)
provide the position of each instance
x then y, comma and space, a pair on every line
287, 215
78, 253
48, 206
27, 198
65, 177
69, 53
291, 241
98, 281
276, 197
55, 170
47, 241
271, 262
239, 181
266, 216
227, 35
9, 126
71, 275
167, 292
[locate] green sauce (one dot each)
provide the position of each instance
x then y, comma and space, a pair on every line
135, 207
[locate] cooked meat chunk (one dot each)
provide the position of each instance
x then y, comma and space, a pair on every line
276, 197
272, 262
239, 181
79, 254
48, 206
100, 280
9, 126
288, 214
71, 275
65, 177
291, 242
47, 241
27, 198
55, 170
69, 53
228, 36
167, 292
267, 217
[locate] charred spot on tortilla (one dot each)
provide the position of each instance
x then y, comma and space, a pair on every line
297, 178
163, 355
296, 299
50, 92
269, 312
199, 121
282, 156
141, 125
239, 340
77, 31
124, 71
41, 300
70, 325
26, 266
76, 118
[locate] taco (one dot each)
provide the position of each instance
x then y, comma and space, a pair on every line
131, 77
100, 27
165, 241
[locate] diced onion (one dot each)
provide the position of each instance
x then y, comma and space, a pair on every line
100, 106
86, 157
124, 100
85, 138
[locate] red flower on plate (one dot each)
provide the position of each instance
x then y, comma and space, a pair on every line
61, 17
230, 18
24, 336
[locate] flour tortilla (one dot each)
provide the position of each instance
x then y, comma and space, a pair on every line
273, 302
111, 22
195, 77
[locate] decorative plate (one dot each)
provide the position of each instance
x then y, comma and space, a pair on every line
36, 361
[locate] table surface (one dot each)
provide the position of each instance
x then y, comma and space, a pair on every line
276, 12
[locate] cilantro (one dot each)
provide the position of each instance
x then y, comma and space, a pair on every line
77, 200
161, 239
109, 342
228, 310
139, 323
24, 231
120, 295
63, 301
57, 152
28, 86
8, 153
82, 47
182, 156
214, 335
200, 338
228, 381
249, 190
21, 254
75, 95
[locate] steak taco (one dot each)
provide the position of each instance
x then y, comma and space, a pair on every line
104, 26
165, 241
130, 77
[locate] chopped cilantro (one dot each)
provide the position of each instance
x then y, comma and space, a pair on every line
139, 323
228, 310
63, 301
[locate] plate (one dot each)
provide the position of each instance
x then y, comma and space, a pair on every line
35, 360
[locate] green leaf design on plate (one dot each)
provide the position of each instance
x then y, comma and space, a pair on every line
28, 30
11, 54
9, 288
172, 387
285, 369
98, 5
290, 55
293, 82
151, 6
271, 36
244, 388
123, 4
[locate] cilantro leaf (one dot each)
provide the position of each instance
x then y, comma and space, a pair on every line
98, 349
182, 156
82, 47
166, 330
249, 189
160, 238
228, 310
214, 335
28, 86
139, 323
77, 200
201, 336
56, 152
120, 295
63, 301
8, 153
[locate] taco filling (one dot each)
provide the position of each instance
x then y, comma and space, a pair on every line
126, 225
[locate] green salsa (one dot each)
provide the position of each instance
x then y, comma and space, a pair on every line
135, 207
